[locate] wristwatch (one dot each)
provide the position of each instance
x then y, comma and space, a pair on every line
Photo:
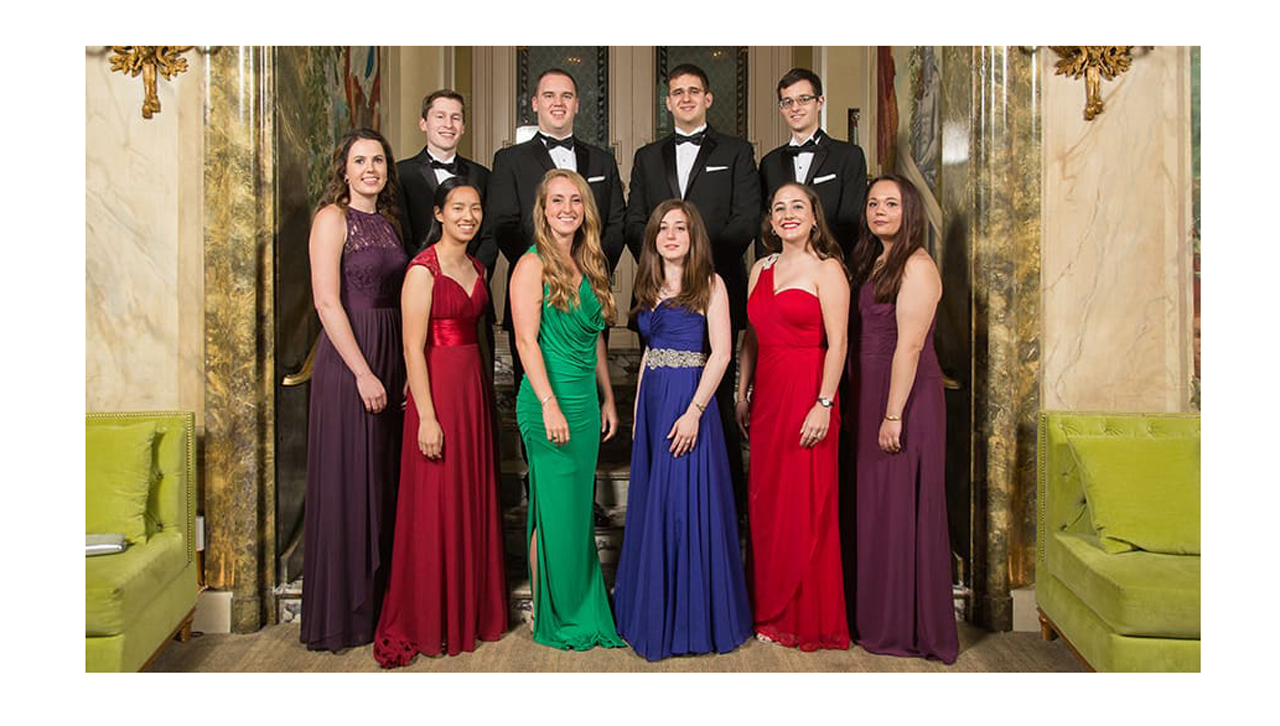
826, 402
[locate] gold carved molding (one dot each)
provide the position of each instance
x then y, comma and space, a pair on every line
148, 60
1094, 62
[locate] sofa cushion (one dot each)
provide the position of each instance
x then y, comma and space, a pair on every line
119, 472
117, 587
1135, 593
1143, 493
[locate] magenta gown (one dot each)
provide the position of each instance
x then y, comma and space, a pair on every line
448, 587
903, 597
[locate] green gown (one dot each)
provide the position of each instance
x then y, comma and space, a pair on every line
571, 608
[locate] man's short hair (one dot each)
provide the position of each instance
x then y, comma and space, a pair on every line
554, 72
443, 93
795, 75
688, 69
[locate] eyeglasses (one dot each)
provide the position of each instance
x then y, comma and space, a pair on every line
788, 102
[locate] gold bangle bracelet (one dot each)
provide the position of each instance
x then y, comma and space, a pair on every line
549, 396
887, 417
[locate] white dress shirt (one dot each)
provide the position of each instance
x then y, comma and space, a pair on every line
802, 161
441, 174
562, 157
685, 156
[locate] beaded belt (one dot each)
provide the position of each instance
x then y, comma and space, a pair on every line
671, 358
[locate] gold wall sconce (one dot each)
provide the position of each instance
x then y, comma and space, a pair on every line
148, 60
1094, 62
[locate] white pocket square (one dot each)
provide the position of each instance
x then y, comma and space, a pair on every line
594, 179
821, 179
716, 168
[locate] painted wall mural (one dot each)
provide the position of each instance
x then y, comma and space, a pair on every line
925, 119
322, 92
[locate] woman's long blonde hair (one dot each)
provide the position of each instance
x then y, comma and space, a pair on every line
586, 250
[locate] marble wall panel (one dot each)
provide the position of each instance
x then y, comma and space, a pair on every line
1117, 250
143, 317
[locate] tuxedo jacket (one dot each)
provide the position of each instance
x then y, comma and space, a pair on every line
417, 194
517, 171
725, 188
838, 173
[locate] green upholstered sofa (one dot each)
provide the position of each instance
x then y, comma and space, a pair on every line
140, 482
1117, 538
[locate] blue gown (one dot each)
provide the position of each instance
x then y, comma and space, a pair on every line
680, 586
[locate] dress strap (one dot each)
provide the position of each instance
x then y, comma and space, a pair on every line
478, 265
770, 260
428, 259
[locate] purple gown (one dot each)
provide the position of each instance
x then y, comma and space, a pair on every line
903, 596
353, 457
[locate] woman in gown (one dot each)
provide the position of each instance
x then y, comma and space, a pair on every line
798, 306
904, 604
680, 586
448, 584
560, 302
353, 439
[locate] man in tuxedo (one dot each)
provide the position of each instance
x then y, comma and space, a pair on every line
717, 173
518, 169
836, 170
444, 116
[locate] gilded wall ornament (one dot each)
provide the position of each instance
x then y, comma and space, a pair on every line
147, 59
1094, 62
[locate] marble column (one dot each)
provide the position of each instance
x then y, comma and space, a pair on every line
239, 213
989, 188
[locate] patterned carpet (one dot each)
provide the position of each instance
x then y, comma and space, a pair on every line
276, 649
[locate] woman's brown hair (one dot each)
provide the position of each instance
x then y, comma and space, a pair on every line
586, 250
338, 192
910, 237
695, 282
821, 240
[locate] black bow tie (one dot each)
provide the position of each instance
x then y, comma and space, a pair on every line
451, 167
695, 139
807, 147
566, 142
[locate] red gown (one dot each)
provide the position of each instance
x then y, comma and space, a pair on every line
797, 584
447, 586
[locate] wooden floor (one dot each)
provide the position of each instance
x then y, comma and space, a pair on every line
276, 649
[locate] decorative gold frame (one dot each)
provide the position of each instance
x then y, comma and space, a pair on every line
147, 59
1094, 62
